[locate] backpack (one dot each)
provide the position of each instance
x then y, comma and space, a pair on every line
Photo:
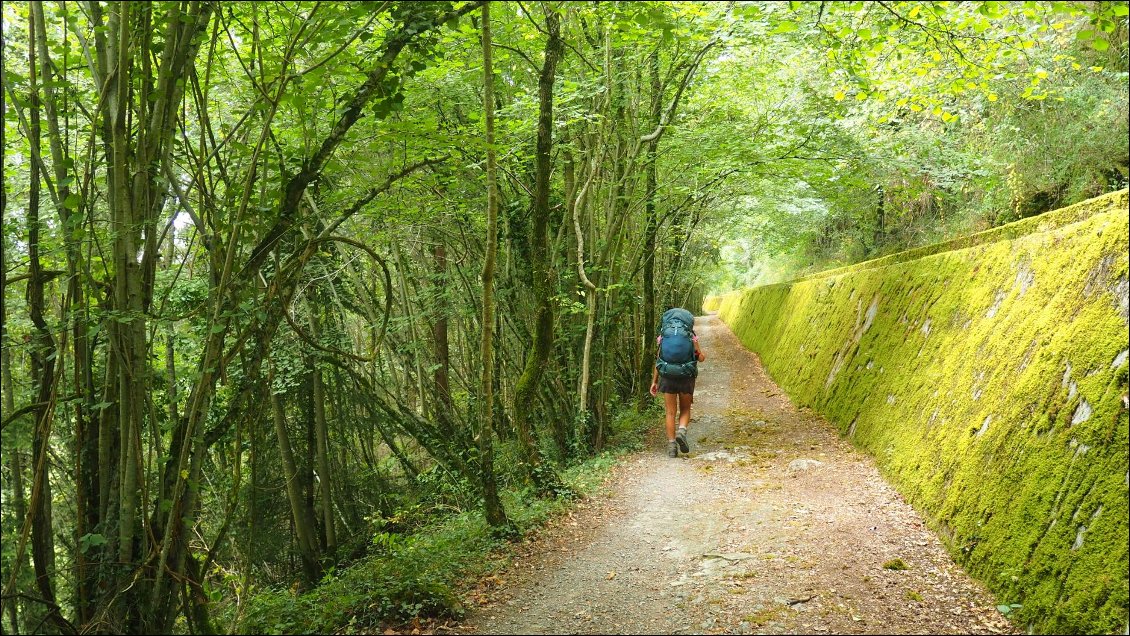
676, 346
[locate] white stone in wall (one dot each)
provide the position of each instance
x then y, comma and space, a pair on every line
1082, 412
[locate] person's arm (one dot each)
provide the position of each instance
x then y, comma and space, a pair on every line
655, 376
698, 352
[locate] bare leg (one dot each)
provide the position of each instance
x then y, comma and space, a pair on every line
670, 403
684, 409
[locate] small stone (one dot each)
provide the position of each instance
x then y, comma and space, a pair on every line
801, 465
984, 425
1120, 359
744, 627
1082, 413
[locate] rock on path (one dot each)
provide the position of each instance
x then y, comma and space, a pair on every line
772, 524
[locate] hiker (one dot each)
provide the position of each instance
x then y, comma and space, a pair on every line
676, 367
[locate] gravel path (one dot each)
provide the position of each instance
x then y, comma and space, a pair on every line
772, 524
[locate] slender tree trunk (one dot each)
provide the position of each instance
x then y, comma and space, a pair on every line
880, 220
321, 433
249, 550
196, 611
325, 482
303, 525
86, 428
8, 389
441, 377
308, 466
650, 232
414, 384
127, 333
526, 389
579, 204
15, 456
492, 505
43, 359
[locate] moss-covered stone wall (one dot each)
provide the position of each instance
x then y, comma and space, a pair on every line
988, 376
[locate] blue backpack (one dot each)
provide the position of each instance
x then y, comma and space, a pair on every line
676, 347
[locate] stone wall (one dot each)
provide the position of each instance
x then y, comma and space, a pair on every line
988, 377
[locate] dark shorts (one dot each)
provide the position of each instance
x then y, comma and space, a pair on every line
676, 385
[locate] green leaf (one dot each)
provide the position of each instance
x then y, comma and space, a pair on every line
786, 26
1120, 9
91, 540
1085, 34
1100, 45
72, 201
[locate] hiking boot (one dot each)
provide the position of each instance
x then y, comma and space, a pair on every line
681, 439
672, 449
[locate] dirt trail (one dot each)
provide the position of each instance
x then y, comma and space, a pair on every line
772, 524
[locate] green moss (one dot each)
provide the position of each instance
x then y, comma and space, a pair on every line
896, 564
766, 615
987, 377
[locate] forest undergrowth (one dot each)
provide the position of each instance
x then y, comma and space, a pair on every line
423, 573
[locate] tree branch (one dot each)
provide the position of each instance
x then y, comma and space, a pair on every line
313, 165
666, 120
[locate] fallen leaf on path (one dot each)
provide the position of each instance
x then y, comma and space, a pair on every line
611, 575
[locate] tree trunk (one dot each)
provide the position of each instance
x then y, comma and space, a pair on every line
43, 353
579, 204
445, 409
492, 505
86, 428
321, 434
303, 525
650, 232
14, 455
525, 390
